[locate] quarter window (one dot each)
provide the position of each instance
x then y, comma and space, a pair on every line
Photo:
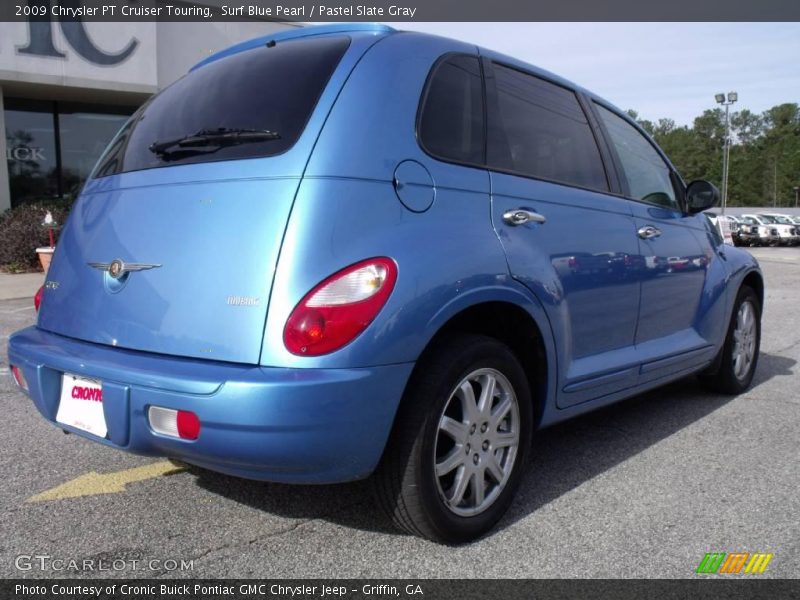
645, 171
540, 130
451, 119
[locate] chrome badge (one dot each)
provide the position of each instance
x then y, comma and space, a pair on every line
117, 268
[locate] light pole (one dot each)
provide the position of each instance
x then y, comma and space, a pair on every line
796, 196
720, 98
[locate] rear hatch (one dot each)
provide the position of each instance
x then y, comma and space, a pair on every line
172, 246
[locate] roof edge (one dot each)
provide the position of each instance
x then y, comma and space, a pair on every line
291, 34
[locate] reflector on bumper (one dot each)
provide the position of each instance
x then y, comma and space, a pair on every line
174, 423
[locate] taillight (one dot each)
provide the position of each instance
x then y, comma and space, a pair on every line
341, 307
37, 298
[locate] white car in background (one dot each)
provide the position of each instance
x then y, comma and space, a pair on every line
794, 219
767, 234
743, 234
751, 233
787, 230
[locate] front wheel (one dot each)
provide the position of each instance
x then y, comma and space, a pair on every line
460, 442
739, 354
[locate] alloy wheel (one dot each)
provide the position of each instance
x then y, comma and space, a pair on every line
477, 442
744, 340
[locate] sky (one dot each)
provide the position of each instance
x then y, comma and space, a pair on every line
661, 70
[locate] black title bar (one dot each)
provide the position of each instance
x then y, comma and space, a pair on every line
402, 10
392, 589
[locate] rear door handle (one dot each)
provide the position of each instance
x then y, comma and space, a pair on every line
648, 232
520, 216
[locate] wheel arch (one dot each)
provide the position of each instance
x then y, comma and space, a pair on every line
754, 280
513, 321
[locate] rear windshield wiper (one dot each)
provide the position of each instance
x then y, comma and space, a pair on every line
222, 136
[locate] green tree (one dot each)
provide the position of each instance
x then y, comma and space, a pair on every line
781, 154
747, 127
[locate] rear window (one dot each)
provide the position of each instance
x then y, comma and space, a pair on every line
274, 88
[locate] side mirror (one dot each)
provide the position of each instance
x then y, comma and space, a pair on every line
701, 195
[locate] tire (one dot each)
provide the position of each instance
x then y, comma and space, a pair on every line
732, 377
433, 425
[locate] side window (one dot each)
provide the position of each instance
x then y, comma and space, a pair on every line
541, 131
451, 119
646, 172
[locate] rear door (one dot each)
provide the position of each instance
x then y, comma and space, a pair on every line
578, 251
676, 249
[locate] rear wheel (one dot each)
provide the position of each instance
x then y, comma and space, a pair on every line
457, 452
739, 354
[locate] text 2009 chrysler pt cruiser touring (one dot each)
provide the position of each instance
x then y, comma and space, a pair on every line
347, 249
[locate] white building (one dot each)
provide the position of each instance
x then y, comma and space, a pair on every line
66, 88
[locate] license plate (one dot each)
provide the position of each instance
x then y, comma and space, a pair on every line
81, 404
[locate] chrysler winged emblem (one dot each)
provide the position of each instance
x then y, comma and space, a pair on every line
117, 268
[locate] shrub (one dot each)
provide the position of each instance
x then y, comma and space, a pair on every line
21, 232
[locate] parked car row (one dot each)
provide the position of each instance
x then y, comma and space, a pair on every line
760, 229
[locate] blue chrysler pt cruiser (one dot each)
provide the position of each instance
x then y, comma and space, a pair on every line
348, 251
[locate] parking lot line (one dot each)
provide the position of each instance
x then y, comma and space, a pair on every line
94, 484
16, 310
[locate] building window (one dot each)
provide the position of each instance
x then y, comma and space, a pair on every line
51, 147
31, 150
85, 132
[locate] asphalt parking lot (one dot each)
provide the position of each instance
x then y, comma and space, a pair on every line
642, 489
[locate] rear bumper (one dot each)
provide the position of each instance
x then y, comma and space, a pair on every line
288, 425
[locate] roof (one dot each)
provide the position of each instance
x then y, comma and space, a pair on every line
292, 34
